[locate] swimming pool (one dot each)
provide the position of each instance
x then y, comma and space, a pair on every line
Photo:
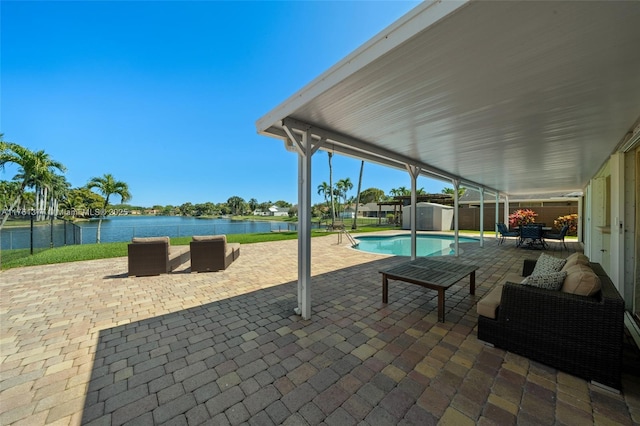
400, 245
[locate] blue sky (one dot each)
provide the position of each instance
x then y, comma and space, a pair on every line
165, 95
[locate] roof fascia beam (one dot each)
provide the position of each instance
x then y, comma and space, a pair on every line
385, 161
339, 140
354, 147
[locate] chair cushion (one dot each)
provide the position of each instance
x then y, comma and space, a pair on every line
551, 281
581, 280
209, 238
547, 264
488, 305
575, 259
138, 240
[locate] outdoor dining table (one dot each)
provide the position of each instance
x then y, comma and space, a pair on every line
533, 239
433, 274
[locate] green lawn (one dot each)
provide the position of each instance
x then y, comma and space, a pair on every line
21, 257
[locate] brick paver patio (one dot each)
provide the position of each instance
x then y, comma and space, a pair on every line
82, 343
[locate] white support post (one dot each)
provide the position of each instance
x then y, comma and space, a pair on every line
506, 210
304, 229
481, 217
580, 218
414, 172
456, 217
497, 213
305, 150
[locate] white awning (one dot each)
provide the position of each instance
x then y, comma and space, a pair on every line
519, 97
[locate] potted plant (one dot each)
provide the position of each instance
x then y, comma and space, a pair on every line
522, 217
571, 220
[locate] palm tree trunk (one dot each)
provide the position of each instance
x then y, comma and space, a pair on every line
355, 219
52, 207
103, 213
45, 195
37, 203
98, 232
39, 209
11, 209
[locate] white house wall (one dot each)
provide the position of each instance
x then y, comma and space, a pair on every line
632, 230
612, 224
616, 219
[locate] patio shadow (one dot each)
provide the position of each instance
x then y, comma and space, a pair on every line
248, 358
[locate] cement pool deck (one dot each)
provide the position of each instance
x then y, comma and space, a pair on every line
82, 343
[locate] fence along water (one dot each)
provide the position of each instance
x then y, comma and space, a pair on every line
46, 234
118, 230
18, 233
32, 234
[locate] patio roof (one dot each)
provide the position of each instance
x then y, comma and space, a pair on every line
515, 97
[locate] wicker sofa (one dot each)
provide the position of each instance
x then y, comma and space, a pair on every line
579, 334
212, 253
154, 256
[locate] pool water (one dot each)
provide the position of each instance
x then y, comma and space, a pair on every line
400, 245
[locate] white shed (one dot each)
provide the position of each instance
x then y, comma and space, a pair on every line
429, 217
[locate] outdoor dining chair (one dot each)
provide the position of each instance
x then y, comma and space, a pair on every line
560, 236
504, 232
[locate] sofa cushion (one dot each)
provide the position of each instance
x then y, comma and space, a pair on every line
547, 264
209, 238
581, 280
138, 240
511, 277
575, 259
488, 305
551, 281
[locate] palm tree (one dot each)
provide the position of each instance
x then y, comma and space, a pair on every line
253, 204
355, 219
236, 203
59, 188
325, 190
108, 186
397, 192
404, 191
47, 193
343, 186
450, 191
36, 169
8, 192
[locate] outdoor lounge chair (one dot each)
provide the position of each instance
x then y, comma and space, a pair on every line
504, 232
212, 253
154, 256
560, 236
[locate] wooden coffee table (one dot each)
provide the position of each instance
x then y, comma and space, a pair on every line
433, 274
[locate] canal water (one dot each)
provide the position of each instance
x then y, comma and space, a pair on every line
124, 228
